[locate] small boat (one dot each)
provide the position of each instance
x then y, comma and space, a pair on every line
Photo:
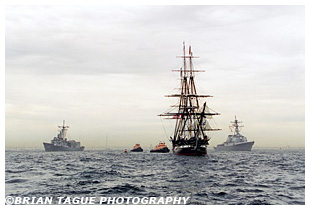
137, 148
125, 151
161, 148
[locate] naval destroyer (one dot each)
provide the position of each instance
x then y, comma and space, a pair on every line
61, 143
235, 142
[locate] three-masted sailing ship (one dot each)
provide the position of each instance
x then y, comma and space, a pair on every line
192, 117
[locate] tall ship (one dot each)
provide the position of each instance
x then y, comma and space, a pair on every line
61, 143
192, 115
137, 148
235, 142
160, 148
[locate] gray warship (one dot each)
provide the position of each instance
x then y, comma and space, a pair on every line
235, 142
60, 143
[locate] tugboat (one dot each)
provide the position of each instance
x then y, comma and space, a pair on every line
161, 148
137, 148
235, 142
192, 116
61, 143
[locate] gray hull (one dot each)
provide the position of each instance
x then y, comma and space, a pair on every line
51, 147
246, 146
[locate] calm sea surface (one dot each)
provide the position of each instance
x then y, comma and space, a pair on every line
262, 176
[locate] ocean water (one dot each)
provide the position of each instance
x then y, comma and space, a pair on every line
262, 176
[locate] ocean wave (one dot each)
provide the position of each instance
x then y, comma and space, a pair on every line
260, 177
12, 181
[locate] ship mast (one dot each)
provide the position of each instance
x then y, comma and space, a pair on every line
236, 126
63, 131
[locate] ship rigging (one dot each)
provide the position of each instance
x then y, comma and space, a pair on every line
192, 117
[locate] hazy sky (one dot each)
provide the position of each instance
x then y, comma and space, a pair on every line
106, 69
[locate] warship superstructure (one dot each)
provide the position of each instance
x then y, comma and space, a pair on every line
235, 142
192, 116
61, 143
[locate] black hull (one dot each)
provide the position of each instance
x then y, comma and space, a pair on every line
52, 148
163, 150
137, 150
190, 151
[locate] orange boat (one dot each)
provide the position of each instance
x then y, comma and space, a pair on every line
137, 148
161, 148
